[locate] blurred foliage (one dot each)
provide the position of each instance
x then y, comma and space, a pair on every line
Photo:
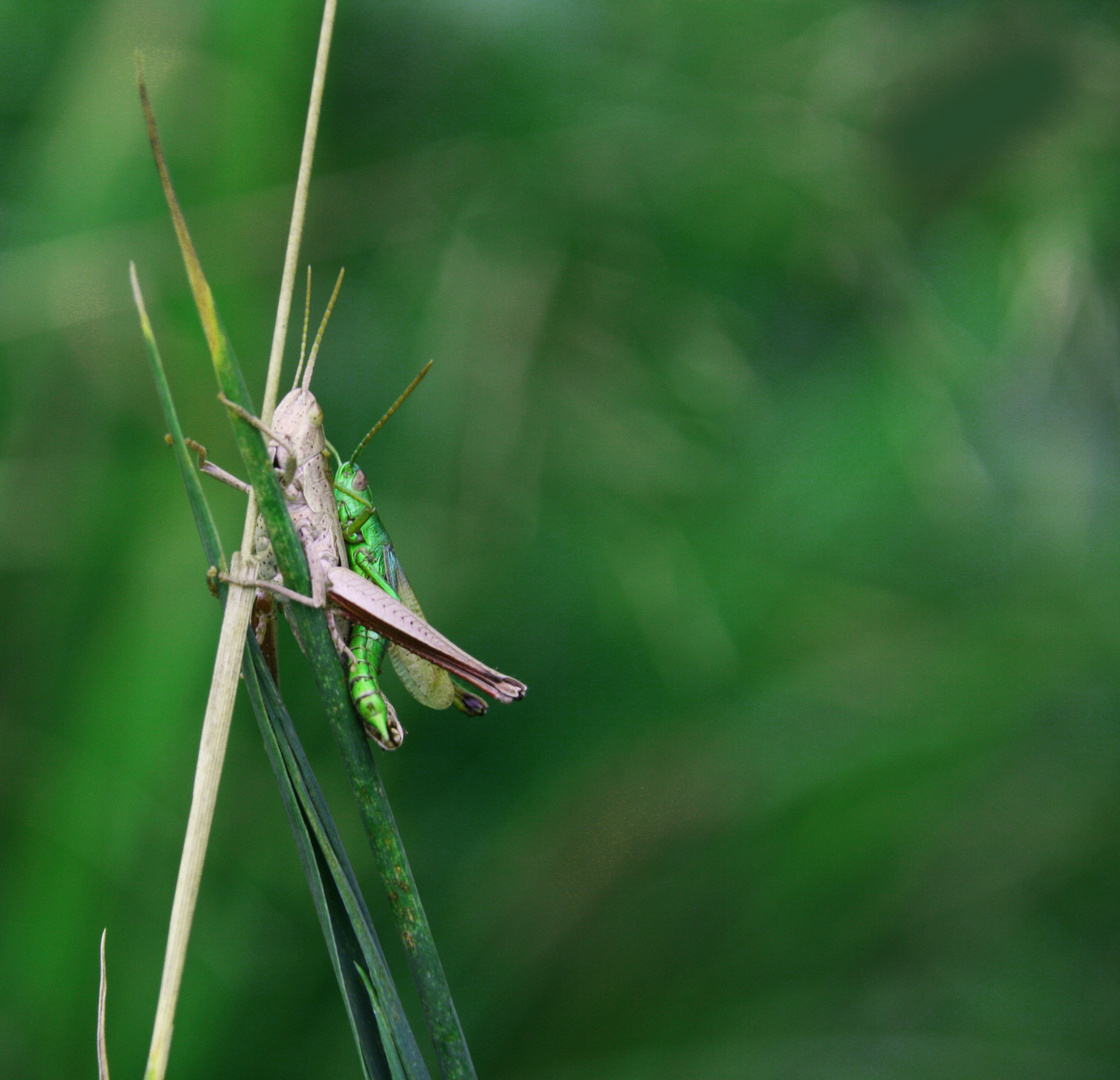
772, 440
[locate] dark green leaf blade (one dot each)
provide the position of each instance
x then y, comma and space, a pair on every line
200, 508
347, 927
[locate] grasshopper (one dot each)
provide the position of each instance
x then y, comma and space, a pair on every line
371, 555
298, 449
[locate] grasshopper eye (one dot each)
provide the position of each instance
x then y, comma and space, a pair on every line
315, 415
359, 482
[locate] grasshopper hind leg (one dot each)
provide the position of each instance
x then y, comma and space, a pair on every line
265, 625
340, 633
468, 703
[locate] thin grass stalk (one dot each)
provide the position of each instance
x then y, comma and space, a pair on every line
211, 754
299, 213
102, 992
215, 732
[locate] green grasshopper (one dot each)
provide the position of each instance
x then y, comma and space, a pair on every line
371, 554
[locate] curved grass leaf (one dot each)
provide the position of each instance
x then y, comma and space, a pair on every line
200, 508
385, 1041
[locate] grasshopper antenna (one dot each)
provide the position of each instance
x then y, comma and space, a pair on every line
322, 327
392, 409
303, 340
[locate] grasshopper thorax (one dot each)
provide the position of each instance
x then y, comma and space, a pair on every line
298, 425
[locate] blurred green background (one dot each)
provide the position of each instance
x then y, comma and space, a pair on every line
771, 439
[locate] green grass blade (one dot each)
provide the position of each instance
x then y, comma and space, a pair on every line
396, 1066
388, 849
379, 1024
200, 508
333, 855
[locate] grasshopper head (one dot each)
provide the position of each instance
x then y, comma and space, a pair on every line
351, 477
351, 481
354, 506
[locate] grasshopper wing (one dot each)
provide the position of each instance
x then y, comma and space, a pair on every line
370, 605
426, 682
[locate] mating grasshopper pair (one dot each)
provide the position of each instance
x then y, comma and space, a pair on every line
354, 570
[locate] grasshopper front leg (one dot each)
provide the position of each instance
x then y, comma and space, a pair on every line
205, 465
264, 608
269, 582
